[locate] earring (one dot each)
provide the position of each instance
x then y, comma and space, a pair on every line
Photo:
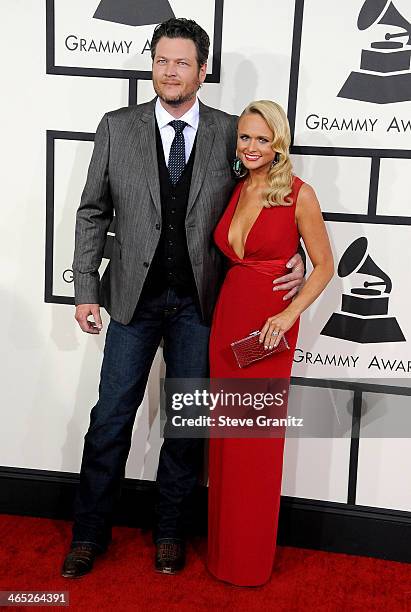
238, 168
275, 160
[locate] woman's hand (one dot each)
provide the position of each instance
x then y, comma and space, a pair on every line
275, 327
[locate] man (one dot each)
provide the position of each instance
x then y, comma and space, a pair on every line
164, 167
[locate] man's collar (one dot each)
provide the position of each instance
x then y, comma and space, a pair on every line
191, 117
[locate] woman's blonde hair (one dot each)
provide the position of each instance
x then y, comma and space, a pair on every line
280, 175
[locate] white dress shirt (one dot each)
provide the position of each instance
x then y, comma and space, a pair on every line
167, 132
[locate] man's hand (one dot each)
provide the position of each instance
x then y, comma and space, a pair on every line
85, 310
292, 281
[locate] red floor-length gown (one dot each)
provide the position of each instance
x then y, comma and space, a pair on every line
245, 473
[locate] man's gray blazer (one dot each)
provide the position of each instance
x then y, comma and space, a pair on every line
123, 177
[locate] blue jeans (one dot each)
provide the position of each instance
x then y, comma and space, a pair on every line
128, 354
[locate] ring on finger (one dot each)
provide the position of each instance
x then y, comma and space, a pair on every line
277, 337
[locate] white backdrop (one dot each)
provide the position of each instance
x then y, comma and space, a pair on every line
50, 369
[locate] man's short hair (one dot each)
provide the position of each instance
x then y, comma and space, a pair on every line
183, 28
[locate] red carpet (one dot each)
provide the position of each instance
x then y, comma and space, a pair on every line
31, 552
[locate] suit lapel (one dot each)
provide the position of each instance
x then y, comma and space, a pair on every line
205, 140
148, 150
147, 141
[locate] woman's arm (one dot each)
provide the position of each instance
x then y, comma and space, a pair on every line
314, 233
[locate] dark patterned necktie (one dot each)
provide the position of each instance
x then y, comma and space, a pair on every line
177, 159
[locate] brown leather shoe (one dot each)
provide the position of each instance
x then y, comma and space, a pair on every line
79, 560
170, 557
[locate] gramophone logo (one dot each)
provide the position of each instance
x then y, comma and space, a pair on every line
364, 311
385, 68
134, 13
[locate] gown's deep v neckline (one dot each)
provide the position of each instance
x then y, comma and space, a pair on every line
249, 231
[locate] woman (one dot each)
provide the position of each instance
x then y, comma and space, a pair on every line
259, 231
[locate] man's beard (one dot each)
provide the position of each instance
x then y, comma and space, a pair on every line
178, 100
